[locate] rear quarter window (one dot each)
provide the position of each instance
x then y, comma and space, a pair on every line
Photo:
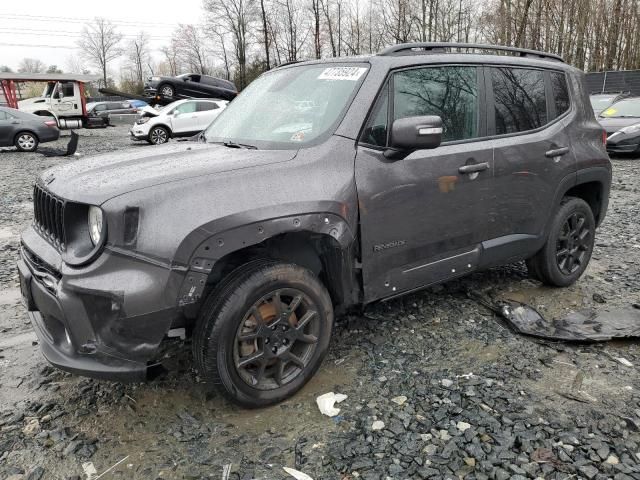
560, 93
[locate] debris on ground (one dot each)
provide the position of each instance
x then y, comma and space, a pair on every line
297, 474
327, 401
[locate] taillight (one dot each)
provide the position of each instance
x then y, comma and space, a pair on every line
51, 123
604, 137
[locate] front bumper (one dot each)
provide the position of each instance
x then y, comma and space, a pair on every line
138, 134
105, 320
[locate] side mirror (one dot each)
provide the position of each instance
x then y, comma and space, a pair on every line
176, 113
60, 95
414, 133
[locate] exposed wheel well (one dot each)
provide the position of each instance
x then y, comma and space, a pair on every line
320, 253
590, 192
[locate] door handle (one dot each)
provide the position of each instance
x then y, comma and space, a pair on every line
475, 167
557, 152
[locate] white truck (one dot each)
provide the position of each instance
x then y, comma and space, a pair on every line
63, 98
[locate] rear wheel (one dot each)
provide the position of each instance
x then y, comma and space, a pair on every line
26, 142
158, 135
567, 252
263, 332
166, 90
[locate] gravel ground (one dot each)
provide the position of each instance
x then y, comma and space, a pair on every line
437, 386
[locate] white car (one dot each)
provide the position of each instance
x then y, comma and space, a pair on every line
183, 118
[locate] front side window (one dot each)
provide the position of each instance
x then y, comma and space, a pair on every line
450, 92
560, 93
188, 107
520, 101
375, 132
289, 107
67, 89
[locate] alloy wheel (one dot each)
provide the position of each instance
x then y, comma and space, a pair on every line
167, 91
158, 135
276, 339
573, 243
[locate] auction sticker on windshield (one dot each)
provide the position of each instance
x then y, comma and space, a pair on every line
342, 73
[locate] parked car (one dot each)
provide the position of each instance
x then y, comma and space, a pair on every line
26, 130
392, 177
191, 85
183, 118
623, 113
625, 140
104, 109
601, 101
138, 104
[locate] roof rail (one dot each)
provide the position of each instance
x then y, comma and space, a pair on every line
419, 48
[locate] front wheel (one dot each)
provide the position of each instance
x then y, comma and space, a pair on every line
158, 135
263, 332
567, 252
166, 90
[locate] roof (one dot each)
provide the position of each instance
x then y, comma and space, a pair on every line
48, 77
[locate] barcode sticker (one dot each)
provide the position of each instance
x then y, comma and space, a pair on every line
342, 73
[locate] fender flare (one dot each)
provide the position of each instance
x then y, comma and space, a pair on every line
201, 249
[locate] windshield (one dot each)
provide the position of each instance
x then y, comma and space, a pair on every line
601, 101
288, 108
623, 109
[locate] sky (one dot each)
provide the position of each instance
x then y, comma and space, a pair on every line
49, 29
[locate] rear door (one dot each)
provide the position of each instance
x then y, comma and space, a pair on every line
422, 219
529, 111
206, 112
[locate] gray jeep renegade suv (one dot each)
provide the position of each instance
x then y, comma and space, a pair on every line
324, 185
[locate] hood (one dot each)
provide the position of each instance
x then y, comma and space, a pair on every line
32, 104
148, 111
96, 179
612, 125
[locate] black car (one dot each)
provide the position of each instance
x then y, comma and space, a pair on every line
376, 176
191, 85
103, 109
26, 130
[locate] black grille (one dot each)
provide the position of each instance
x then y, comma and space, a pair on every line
48, 211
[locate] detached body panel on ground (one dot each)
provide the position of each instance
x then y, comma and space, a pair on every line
320, 182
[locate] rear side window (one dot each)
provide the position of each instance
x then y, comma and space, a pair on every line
451, 92
520, 101
560, 93
205, 106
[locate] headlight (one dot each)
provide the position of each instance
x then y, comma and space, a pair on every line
631, 129
95, 225
142, 120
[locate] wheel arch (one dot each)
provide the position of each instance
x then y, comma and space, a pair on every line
25, 130
322, 242
593, 186
163, 125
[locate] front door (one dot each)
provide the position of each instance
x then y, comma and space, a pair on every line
422, 218
184, 118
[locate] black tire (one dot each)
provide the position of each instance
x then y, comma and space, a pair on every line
568, 248
241, 299
26, 141
166, 90
158, 135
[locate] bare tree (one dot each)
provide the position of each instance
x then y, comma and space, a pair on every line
171, 59
31, 65
100, 44
192, 48
234, 17
138, 55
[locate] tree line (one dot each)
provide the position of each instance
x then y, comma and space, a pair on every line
240, 39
